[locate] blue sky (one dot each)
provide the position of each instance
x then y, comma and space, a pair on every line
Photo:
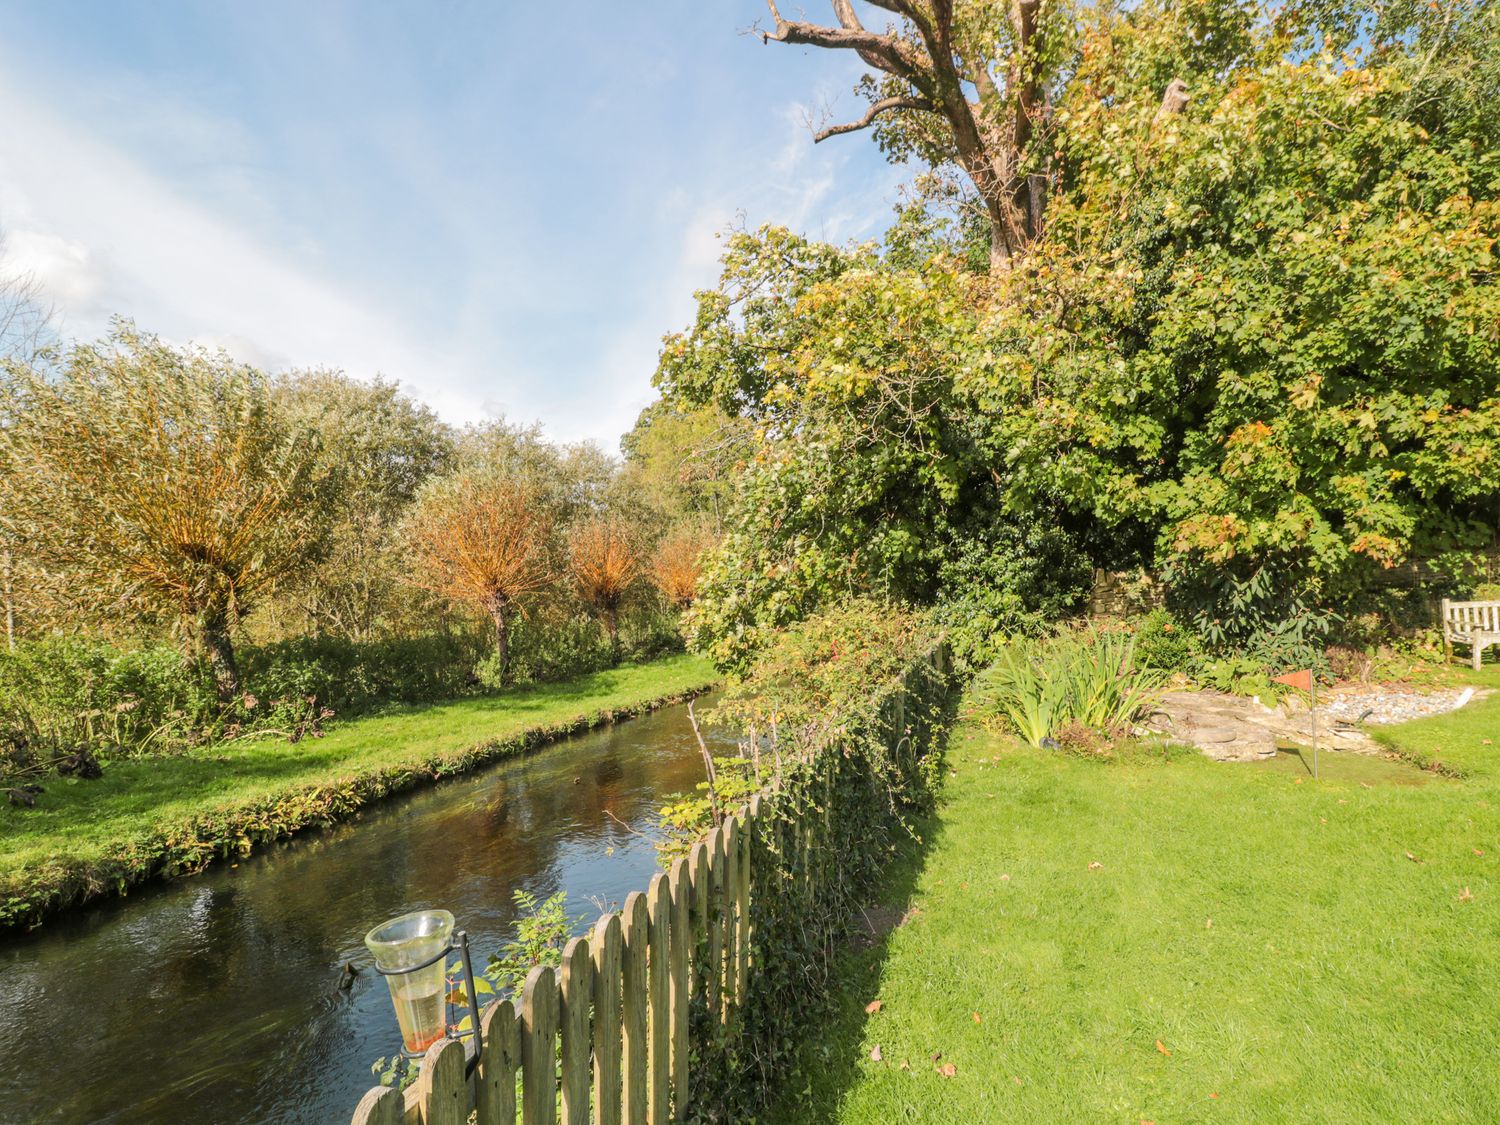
502, 206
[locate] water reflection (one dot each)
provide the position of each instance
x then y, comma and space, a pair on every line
216, 999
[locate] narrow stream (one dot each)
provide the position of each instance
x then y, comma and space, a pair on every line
216, 999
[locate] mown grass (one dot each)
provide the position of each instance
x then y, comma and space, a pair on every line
80, 820
1251, 946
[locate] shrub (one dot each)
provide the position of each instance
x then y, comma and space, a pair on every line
1093, 680
1346, 663
812, 673
350, 677
1239, 675
1161, 641
58, 694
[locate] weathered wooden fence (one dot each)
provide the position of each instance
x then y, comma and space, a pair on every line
604, 1038
612, 1022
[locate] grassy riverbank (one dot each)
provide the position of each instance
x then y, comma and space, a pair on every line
1183, 941
170, 815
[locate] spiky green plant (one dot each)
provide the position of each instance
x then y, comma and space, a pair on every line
1090, 679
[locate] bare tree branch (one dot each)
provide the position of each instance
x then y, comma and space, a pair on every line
884, 105
992, 139
884, 52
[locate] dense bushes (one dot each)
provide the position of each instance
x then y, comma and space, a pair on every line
61, 694
351, 677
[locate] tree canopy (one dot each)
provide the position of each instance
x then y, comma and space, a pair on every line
155, 481
1256, 348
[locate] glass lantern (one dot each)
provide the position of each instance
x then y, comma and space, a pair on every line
411, 952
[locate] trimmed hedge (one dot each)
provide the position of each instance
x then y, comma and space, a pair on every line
237, 830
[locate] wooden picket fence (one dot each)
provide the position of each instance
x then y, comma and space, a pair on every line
612, 1022
604, 1038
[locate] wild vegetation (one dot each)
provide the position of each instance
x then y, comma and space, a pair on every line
1200, 290
196, 552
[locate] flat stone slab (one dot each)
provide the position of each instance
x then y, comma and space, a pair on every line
1234, 728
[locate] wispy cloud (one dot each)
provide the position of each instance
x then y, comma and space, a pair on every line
496, 253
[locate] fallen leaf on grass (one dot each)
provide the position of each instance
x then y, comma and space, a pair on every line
1005, 878
1162, 1047
1016, 1079
905, 1065
872, 1007
1478, 851
1465, 896
875, 1055
1413, 858
1213, 1095
1095, 865
947, 1070
1209, 924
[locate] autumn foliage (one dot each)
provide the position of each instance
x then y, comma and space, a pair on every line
605, 562
677, 564
160, 484
484, 538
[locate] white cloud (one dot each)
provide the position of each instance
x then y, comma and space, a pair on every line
103, 235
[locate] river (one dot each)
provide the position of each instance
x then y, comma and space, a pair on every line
215, 998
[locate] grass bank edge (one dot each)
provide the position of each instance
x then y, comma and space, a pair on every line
229, 829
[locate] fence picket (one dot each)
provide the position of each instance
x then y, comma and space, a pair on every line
576, 983
659, 907
699, 902
753, 824
606, 946
728, 903
445, 1093
713, 922
636, 1078
495, 1078
680, 938
381, 1105
539, 1047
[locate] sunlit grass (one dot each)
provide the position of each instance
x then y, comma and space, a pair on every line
78, 819
1301, 950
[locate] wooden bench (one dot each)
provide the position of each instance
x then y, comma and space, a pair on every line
1476, 624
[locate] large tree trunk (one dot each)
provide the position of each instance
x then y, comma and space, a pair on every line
220, 650
612, 627
500, 614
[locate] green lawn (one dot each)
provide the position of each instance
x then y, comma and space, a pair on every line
1252, 945
78, 820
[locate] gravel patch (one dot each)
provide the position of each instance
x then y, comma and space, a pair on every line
1390, 705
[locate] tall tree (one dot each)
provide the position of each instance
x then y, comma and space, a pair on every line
605, 563
482, 536
380, 446
677, 564
956, 83
162, 481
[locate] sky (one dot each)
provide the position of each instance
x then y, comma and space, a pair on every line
501, 206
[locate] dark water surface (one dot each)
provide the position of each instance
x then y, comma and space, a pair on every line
215, 998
